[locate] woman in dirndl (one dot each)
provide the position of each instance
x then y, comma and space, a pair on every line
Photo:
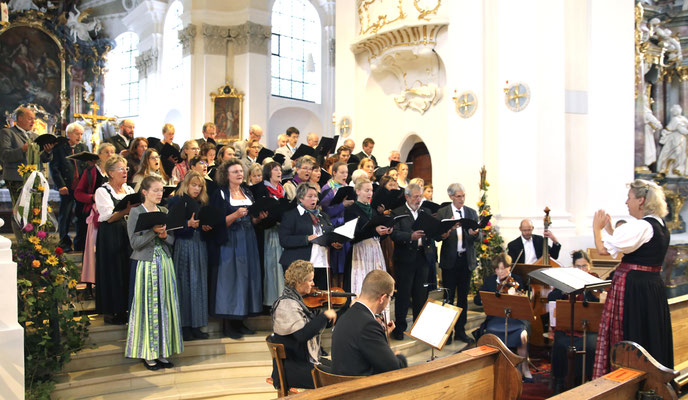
366, 253
636, 308
155, 328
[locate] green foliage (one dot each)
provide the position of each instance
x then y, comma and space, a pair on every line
491, 242
46, 289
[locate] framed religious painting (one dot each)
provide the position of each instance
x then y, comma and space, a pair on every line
32, 69
227, 114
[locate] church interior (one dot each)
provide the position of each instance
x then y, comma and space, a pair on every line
532, 105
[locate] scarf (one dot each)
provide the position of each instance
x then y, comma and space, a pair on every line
334, 185
315, 215
275, 191
293, 315
296, 180
367, 209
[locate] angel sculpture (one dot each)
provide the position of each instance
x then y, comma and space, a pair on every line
81, 29
21, 5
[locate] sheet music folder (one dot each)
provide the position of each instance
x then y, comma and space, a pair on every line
569, 280
435, 323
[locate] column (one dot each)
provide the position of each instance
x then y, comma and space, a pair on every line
11, 333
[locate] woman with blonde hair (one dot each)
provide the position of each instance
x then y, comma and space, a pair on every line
297, 327
402, 175
150, 165
368, 166
636, 308
189, 151
191, 258
254, 175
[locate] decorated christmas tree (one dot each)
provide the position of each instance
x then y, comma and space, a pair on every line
490, 243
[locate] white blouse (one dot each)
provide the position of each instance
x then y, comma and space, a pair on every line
104, 203
628, 237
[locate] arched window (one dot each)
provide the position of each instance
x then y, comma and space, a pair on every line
172, 49
122, 78
296, 41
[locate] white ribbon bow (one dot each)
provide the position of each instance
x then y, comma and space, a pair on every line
23, 208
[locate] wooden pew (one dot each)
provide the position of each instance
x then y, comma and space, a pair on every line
679, 326
633, 370
488, 371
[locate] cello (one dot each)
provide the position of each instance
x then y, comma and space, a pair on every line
540, 291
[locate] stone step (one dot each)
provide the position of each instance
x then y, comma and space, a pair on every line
231, 388
127, 377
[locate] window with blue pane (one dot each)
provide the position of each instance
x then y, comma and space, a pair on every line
295, 48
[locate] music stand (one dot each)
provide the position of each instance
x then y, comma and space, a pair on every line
586, 318
571, 281
435, 317
508, 306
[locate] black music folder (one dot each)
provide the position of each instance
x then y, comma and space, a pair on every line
134, 198
48, 138
84, 156
303, 150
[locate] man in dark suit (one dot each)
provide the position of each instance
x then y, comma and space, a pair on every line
359, 341
457, 258
122, 140
368, 145
65, 173
14, 143
527, 248
209, 134
413, 255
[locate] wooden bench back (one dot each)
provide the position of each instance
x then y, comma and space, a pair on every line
322, 378
278, 354
679, 326
473, 374
633, 370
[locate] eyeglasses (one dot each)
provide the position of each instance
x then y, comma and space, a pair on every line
202, 163
154, 157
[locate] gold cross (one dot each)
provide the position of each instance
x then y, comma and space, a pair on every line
93, 116
517, 96
465, 103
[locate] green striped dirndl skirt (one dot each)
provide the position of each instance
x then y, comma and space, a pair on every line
154, 319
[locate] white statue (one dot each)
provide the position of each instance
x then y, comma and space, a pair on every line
21, 5
419, 98
672, 157
80, 29
671, 45
652, 125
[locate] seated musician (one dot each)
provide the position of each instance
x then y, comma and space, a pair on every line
298, 328
562, 340
527, 248
359, 342
505, 282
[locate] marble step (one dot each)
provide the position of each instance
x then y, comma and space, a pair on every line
100, 332
127, 377
232, 388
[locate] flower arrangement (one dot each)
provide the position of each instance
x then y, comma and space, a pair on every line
46, 289
491, 242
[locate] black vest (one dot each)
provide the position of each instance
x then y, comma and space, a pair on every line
652, 253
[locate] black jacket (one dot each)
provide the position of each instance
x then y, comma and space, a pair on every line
515, 248
361, 155
449, 245
62, 168
405, 249
118, 142
293, 234
360, 347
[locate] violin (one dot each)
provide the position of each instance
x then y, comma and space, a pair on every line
336, 297
507, 284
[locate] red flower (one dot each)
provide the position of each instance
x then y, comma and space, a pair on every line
486, 241
58, 250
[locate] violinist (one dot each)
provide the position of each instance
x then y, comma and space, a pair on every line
298, 328
506, 282
530, 245
562, 340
